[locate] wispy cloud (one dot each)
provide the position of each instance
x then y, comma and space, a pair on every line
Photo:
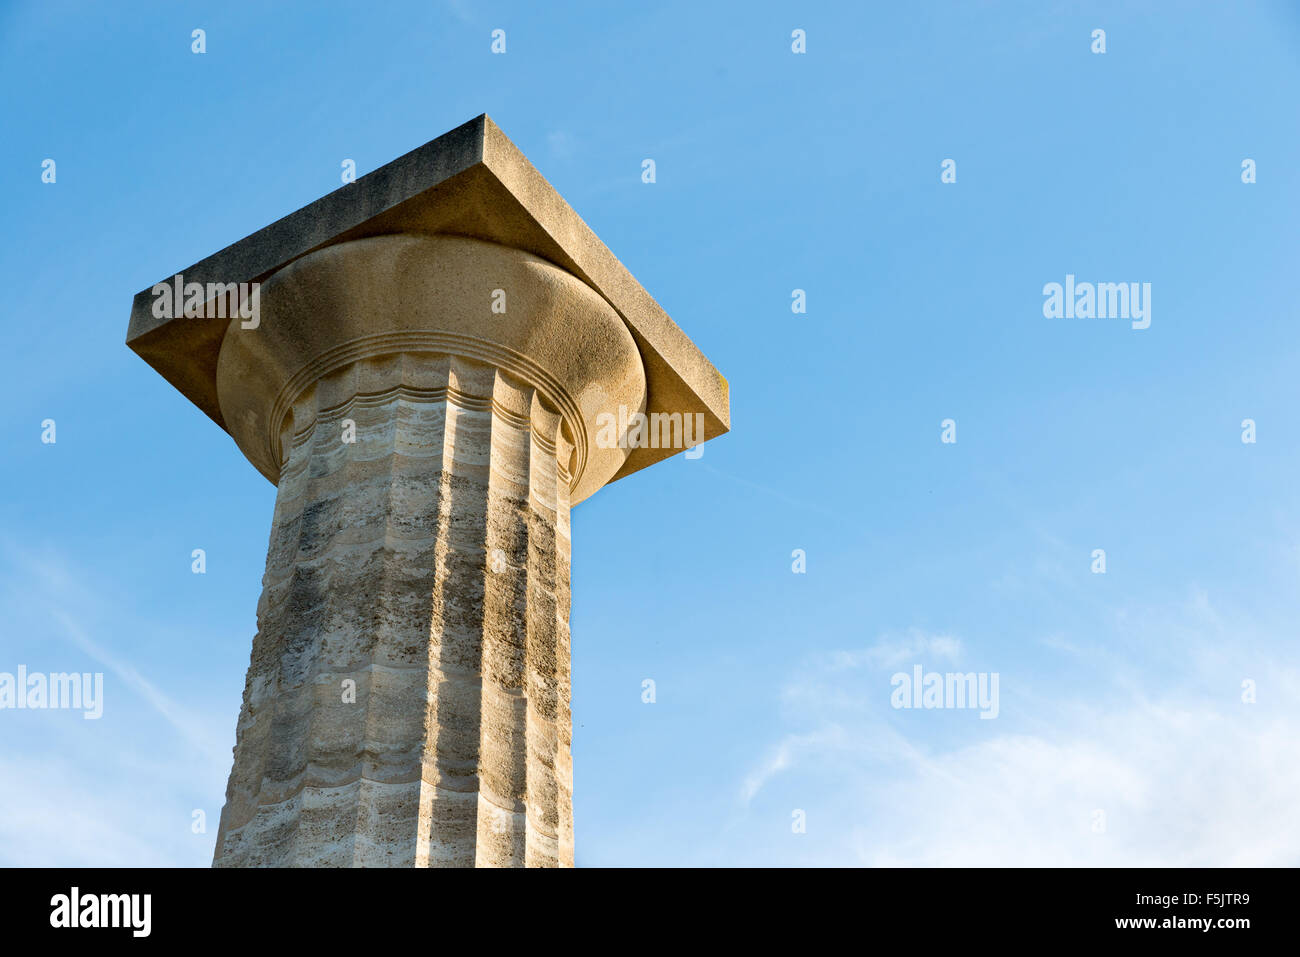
196, 731
890, 651
562, 144
1176, 770
56, 814
50, 582
773, 493
122, 791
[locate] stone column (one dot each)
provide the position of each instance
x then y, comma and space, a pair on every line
407, 701
420, 363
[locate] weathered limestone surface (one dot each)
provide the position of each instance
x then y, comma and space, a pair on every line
427, 566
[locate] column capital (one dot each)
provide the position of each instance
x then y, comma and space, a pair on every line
470, 182
429, 295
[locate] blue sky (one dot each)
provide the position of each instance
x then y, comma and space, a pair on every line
1119, 692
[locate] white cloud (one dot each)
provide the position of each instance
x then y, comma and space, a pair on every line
59, 814
1178, 784
1184, 772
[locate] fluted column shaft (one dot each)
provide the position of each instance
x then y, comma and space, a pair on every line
407, 702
